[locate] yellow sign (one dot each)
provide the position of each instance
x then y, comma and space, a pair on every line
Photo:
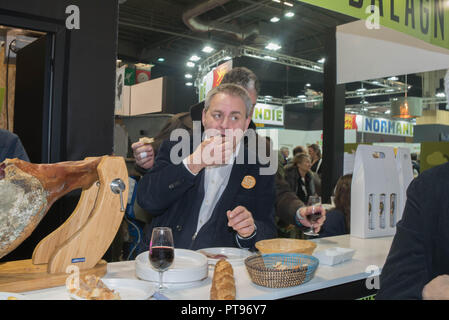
268, 114
427, 20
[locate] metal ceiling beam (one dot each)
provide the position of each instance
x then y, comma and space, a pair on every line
183, 35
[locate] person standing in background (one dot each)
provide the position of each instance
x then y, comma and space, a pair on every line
300, 178
285, 153
315, 155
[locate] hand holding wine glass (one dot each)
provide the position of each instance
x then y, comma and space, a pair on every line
315, 203
162, 252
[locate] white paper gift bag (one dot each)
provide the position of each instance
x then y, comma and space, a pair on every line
375, 192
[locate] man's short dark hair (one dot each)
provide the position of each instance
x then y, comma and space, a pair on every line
243, 77
298, 149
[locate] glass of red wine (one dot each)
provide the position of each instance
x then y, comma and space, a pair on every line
315, 203
162, 252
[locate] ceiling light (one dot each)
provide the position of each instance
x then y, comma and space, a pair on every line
194, 58
322, 60
273, 46
308, 85
375, 82
278, 1
361, 90
189, 84
190, 64
393, 78
208, 49
161, 59
388, 112
269, 58
440, 95
274, 19
389, 90
188, 76
301, 96
289, 14
288, 4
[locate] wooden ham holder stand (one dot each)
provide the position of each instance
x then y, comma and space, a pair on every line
81, 241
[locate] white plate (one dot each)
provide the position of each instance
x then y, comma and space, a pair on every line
188, 266
234, 256
6, 295
334, 255
129, 289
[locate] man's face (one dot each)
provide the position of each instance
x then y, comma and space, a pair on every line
226, 112
311, 152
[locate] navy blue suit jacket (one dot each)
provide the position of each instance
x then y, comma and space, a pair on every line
173, 196
420, 250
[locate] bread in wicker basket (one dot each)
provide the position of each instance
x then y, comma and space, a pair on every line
297, 269
286, 245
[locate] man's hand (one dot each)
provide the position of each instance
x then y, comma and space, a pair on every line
144, 154
211, 152
241, 220
305, 211
437, 289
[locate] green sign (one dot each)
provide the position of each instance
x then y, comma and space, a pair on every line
433, 154
427, 20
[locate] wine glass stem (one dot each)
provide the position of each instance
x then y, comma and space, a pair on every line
160, 280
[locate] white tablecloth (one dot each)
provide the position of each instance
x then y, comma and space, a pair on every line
369, 252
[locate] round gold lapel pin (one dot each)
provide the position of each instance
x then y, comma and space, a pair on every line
248, 182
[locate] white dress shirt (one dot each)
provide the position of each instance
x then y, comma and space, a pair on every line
216, 179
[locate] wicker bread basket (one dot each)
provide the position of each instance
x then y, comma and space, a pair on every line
286, 245
296, 269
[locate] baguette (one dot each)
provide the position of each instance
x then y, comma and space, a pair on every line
146, 140
223, 283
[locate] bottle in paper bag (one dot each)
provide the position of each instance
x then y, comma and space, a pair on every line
382, 211
393, 210
370, 212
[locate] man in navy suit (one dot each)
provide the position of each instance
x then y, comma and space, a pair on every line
210, 199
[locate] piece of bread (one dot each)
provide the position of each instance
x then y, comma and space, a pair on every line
223, 283
146, 140
92, 288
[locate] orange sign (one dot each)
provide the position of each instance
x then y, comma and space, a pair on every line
220, 71
350, 122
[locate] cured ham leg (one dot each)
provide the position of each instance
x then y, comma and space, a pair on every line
28, 190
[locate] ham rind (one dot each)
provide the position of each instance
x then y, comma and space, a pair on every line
27, 191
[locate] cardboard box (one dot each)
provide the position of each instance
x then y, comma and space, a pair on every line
148, 97
124, 108
375, 192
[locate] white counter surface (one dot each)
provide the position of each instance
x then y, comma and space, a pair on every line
369, 252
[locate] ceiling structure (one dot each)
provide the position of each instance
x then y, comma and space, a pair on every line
175, 30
